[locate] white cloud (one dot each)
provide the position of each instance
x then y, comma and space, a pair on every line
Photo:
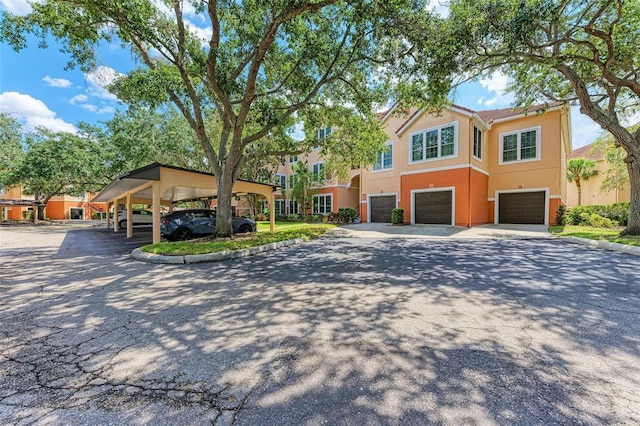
98, 80
78, 99
17, 7
57, 82
440, 7
496, 84
32, 112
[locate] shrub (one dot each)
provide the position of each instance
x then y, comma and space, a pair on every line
397, 216
598, 221
347, 214
574, 216
262, 217
561, 215
293, 217
617, 213
28, 215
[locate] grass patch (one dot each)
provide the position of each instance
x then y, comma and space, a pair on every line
291, 231
589, 232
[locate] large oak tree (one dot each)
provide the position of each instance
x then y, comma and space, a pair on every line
257, 66
579, 51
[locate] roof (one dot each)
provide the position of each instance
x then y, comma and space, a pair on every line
492, 115
488, 116
184, 185
586, 152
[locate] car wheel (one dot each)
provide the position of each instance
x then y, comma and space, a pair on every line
122, 224
244, 229
182, 234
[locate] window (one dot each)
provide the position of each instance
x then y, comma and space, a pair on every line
322, 204
321, 135
280, 206
281, 181
293, 179
293, 159
477, 143
435, 143
523, 145
318, 172
293, 207
385, 159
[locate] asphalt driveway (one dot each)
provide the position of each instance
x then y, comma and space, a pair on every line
335, 331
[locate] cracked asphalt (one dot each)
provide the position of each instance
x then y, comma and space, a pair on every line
335, 331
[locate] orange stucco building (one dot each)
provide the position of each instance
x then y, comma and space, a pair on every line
466, 168
460, 167
59, 207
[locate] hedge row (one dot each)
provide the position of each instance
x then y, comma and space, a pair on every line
616, 213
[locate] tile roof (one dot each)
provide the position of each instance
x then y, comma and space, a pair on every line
586, 153
492, 115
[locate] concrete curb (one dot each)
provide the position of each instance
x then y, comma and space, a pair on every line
623, 248
143, 256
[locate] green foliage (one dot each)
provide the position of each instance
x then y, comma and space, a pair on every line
397, 216
264, 67
571, 51
596, 220
580, 169
304, 187
59, 163
617, 174
12, 139
561, 215
347, 214
617, 213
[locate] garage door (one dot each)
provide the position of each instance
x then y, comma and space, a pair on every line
433, 207
521, 207
381, 208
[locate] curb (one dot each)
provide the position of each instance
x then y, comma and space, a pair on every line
623, 248
143, 256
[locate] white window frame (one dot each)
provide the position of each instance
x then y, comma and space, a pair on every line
321, 134
293, 159
381, 156
313, 173
282, 211
314, 204
473, 142
279, 179
293, 178
453, 124
291, 203
519, 133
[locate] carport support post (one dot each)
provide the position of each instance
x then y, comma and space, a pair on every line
156, 211
272, 213
129, 216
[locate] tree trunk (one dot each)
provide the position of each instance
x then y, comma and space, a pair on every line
579, 191
224, 227
633, 226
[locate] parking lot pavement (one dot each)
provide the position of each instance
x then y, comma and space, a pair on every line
335, 331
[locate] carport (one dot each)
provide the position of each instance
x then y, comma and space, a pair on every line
158, 184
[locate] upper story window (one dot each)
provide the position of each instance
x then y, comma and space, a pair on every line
318, 172
385, 158
281, 181
477, 143
293, 179
321, 135
522, 145
293, 159
435, 143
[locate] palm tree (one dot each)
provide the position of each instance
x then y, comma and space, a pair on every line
579, 169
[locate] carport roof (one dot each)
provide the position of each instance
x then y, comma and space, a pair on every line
142, 177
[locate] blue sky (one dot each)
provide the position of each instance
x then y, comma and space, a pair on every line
36, 89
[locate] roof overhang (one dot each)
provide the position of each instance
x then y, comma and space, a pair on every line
176, 185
